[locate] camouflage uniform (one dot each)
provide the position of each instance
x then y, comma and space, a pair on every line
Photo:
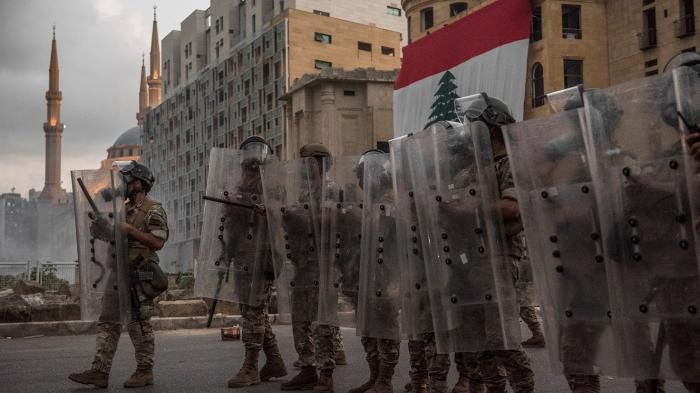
256, 329
148, 216
515, 362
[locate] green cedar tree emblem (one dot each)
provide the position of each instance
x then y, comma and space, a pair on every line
444, 108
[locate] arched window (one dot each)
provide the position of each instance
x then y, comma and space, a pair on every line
537, 85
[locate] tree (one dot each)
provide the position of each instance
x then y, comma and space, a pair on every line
443, 109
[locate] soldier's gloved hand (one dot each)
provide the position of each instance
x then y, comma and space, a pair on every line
101, 228
260, 208
693, 141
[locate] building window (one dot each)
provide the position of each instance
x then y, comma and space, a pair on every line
536, 33
253, 21
320, 64
573, 73
685, 25
322, 13
387, 51
571, 21
457, 8
426, 18
395, 11
537, 85
324, 38
364, 46
647, 38
409, 30
349, 93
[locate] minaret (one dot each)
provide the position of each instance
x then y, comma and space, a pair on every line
53, 129
155, 84
143, 95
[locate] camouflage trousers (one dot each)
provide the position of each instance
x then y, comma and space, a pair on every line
529, 315
486, 368
380, 349
426, 365
255, 324
141, 334
316, 344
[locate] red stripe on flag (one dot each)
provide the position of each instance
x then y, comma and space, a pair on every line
495, 25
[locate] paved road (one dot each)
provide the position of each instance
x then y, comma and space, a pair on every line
198, 361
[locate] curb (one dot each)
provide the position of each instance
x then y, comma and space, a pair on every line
72, 328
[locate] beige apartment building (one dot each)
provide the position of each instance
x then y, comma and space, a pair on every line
224, 74
594, 42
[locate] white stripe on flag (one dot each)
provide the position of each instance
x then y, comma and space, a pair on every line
500, 72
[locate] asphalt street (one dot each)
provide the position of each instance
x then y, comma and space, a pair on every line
198, 361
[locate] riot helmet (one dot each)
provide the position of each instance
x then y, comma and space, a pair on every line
490, 110
566, 99
135, 170
256, 151
669, 111
684, 59
360, 168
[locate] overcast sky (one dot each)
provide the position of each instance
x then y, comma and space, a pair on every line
99, 51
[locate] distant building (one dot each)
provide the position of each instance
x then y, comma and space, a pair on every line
224, 73
594, 42
17, 227
126, 148
347, 111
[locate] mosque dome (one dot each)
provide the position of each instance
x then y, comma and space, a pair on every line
127, 145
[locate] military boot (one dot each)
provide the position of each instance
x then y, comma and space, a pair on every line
248, 374
140, 377
325, 382
462, 385
373, 372
438, 386
650, 386
340, 359
419, 388
91, 377
537, 339
383, 382
305, 380
274, 364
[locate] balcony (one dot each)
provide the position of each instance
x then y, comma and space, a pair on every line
571, 33
685, 26
647, 39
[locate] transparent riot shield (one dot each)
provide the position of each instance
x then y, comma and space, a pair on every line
341, 226
634, 145
379, 298
234, 254
469, 271
560, 215
687, 96
415, 306
98, 196
292, 192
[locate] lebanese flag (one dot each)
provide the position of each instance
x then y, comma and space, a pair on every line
485, 51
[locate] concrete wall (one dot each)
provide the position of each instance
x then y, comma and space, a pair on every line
372, 13
192, 32
343, 51
348, 117
171, 67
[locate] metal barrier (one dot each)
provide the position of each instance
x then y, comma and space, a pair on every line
50, 275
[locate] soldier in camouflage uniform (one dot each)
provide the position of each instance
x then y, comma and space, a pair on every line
146, 229
256, 330
325, 338
485, 366
382, 354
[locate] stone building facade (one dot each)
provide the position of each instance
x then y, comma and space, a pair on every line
594, 42
347, 111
